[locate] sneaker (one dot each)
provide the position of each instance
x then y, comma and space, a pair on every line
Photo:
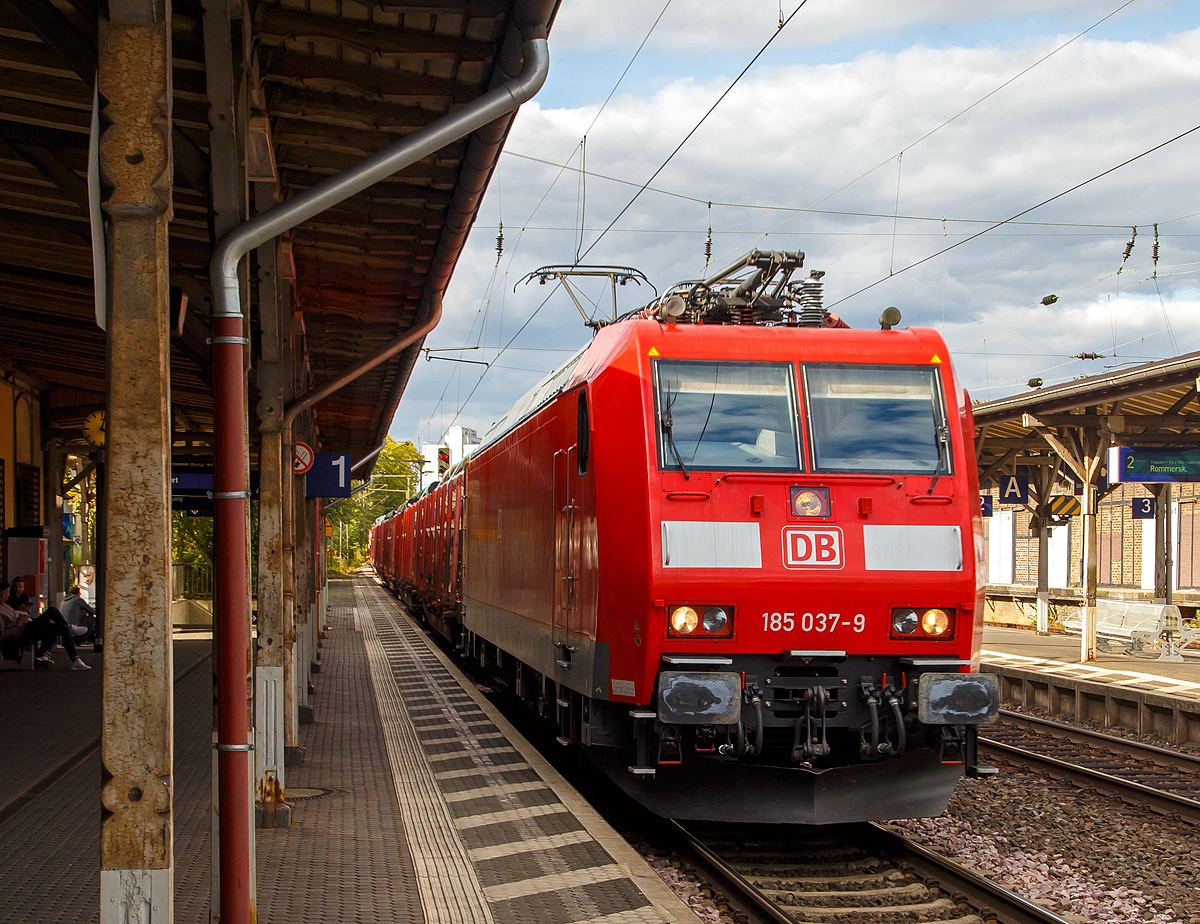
44, 663
78, 665
79, 631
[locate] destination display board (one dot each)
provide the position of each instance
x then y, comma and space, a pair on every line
1157, 464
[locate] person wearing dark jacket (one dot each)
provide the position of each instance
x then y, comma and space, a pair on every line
79, 614
45, 630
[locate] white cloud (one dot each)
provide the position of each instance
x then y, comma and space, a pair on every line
791, 135
705, 25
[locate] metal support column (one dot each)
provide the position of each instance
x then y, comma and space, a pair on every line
233, 879
137, 824
1043, 588
1091, 570
1164, 548
53, 507
272, 809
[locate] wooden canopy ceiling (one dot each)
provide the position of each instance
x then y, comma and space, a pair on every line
1149, 405
319, 84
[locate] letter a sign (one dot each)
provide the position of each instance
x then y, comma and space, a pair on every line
1014, 489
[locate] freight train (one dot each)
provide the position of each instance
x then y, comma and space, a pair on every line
732, 550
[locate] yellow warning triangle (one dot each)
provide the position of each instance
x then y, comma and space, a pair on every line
936, 359
653, 352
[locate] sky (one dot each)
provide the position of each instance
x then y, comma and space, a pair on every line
870, 134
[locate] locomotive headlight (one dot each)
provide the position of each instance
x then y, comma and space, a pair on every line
684, 620
809, 502
715, 620
927, 622
905, 621
935, 621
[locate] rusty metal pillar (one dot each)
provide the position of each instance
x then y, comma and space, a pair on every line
137, 824
233, 880
293, 752
302, 576
272, 810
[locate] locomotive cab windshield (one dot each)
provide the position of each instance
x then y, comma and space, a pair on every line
723, 416
887, 419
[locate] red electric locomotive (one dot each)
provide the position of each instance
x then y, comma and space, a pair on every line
731, 548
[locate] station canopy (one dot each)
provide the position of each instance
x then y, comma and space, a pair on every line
1152, 406
324, 85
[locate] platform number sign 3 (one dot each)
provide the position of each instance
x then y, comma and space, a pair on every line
1143, 508
329, 475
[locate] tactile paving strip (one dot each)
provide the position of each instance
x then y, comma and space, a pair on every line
491, 839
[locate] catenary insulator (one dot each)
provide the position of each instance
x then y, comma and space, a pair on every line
812, 313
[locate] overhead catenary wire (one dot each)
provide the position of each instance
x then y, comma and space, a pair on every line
978, 234
489, 290
847, 212
959, 114
695, 128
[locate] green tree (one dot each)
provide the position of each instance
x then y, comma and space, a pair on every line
395, 477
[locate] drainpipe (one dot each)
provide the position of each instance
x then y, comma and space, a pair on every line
230, 493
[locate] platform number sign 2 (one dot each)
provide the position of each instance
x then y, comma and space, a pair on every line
329, 475
985, 505
1143, 508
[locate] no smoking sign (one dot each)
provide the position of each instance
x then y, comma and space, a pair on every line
303, 460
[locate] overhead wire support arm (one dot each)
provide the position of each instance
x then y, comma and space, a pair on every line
616, 275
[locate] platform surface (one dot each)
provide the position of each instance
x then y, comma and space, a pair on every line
1024, 649
416, 801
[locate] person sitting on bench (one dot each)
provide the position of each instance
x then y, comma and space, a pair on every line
79, 614
46, 630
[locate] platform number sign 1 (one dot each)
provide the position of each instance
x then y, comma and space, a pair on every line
1143, 508
329, 475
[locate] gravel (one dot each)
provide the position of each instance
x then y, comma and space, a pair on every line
1086, 857
1081, 855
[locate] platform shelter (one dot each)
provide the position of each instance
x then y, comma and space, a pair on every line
226, 228
1060, 512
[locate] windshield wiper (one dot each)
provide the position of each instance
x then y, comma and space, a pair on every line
943, 438
665, 421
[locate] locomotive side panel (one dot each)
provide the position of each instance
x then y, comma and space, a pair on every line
625, 627
508, 589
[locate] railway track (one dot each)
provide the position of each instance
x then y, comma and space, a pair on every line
851, 873
1168, 782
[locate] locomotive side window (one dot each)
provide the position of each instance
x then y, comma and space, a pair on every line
877, 419
581, 434
726, 416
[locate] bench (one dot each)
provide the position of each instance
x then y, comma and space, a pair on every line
1141, 625
12, 650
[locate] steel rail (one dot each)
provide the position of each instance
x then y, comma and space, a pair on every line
980, 891
952, 878
740, 893
1157, 799
1079, 735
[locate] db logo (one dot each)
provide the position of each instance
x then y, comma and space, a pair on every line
812, 548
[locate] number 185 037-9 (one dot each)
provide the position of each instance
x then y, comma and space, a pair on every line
812, 622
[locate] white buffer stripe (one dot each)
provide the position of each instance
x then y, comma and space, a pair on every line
912, 548
705, 544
